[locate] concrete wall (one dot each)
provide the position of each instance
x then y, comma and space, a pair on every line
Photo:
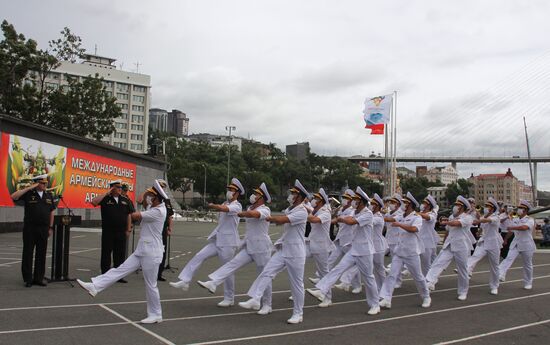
147, 168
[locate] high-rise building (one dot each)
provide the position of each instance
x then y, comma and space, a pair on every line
178, 123
298, 151
132, 91
158, 119
503, 187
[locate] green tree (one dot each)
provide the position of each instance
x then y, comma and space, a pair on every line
461, 187
417, 186
81, 107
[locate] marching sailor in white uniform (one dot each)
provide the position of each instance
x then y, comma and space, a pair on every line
458, 244
378, 240
319, 244
147, 256
407, 251
395, 209
351, 278
256, 245
222, 242
522, 244
290, 254
430, 237
489, 243
360, 255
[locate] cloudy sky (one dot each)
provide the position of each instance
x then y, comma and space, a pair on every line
465, 72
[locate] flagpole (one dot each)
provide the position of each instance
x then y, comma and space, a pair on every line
387, 188
394, 143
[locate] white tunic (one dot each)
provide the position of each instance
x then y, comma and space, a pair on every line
460, 237
490, 238
226, 233
150, 236
362, 238
523, 239
392, 232
409, 243
319, 237
345, 232
292, 242
378, 240
430, 237
256, 239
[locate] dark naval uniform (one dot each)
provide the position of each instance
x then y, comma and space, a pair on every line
169, 213
114, 223
36, 226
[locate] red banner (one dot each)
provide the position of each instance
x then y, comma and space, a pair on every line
76, 175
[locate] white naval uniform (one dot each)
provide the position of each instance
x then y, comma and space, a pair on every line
319, 245
458, 245
392, 234
488, 244
147, 256
360, 255
380, 247
430, 239
290, 254
257, 248
524, 245
223, 242
407, 251
342, 244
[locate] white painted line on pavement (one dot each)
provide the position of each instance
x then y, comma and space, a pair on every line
355, 324
162, 339
509, 329
49, 256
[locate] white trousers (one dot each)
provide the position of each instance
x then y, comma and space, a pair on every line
493, 255
240, 260
225, 254
426, 259
443, 260
392, 250
414, 267
295, 269
351, 276
321, 264
365, 266
527, 258
149, 267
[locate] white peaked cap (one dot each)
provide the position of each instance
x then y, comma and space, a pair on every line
432, 201
263, 190
321, 194
491, 201
235, 183
462, 200
299, 188
361, 193
378, 199
526, 204
411, 198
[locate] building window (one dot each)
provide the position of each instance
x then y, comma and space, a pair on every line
136, 146
52, 86
139, 99
52, 75
123, 106
137, 118
122, 87
138, 108
108, 84
121, 135
109, 93
139, 88
121, 125
122, 96
120, 145
137, 127
136, 136
123, 116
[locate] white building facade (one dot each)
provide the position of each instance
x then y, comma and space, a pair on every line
132, 91
445, 175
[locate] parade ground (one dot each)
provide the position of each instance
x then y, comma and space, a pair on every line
61, 314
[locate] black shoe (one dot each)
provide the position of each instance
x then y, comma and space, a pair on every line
122, 281
40, 283
28, 284
161, 279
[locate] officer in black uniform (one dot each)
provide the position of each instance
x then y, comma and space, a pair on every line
115, 225
37, 227
124, 191
166, 230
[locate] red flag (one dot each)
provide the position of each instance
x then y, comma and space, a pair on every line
376, 129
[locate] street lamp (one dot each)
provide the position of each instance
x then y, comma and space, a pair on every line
229, 128
204, 192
